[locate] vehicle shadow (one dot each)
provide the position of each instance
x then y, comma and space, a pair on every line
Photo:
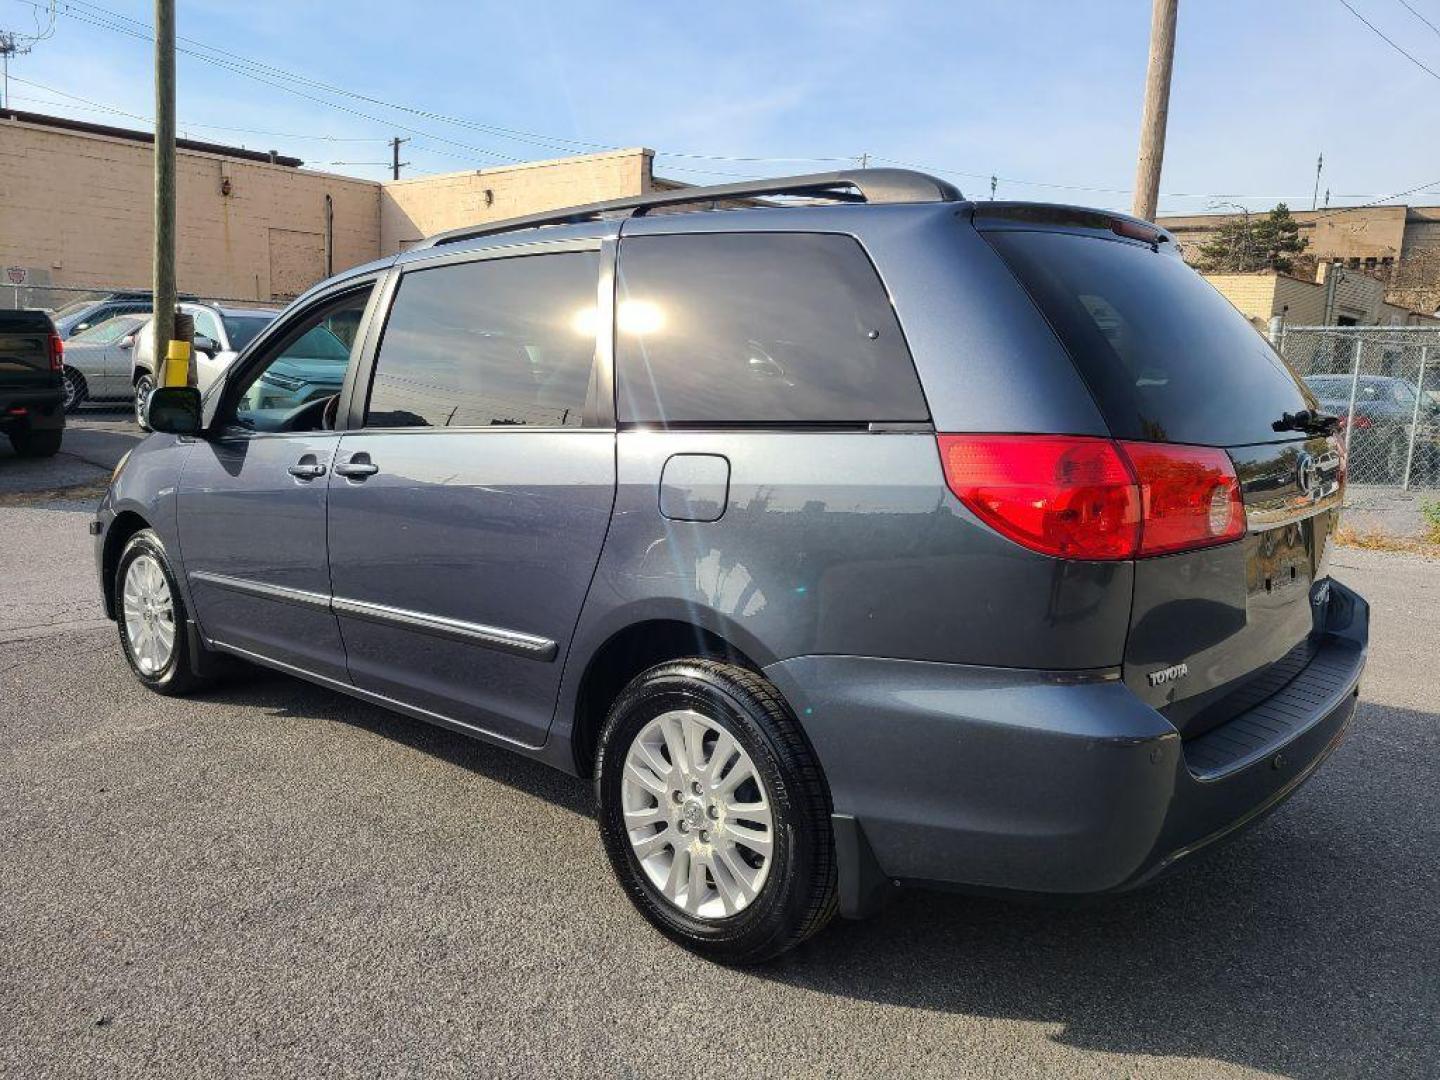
283, 696
1308, 947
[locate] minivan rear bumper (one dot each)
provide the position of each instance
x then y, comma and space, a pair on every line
1050, 782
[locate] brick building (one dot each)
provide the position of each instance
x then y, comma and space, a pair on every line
76, 198
1399, 246
1341, 297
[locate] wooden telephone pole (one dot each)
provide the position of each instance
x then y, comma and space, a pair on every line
1157, 108
163, 271
174, 333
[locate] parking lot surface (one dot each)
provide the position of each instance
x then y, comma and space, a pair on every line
274, 880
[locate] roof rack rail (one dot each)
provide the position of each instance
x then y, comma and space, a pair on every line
849, 185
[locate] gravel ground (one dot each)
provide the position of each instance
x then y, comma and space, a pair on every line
272, 880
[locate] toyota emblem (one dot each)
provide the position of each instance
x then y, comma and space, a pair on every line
1307, 473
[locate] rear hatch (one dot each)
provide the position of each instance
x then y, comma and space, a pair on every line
25, 351
1169, 360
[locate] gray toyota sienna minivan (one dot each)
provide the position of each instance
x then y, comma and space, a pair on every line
847, 533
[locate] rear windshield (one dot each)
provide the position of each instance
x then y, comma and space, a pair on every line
243, 328
1167, 358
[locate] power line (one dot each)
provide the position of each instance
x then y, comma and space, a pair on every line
230, 61
115, 110
1381, 35
1377, 202
1422, 18
243, 67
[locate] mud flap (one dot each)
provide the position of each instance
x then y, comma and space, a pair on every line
864, 888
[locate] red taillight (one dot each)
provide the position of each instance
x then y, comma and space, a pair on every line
57, 352
1190, 496
1077, 497
1362, 423
1071, 497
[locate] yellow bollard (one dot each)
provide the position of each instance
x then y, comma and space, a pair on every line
177, 365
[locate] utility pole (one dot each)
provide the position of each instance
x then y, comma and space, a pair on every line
1157, 108
864, 161
9, 46
1319, 165
395, 162
163, 272
993, 181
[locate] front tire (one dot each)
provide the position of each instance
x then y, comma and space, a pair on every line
150, 615
143, 385
75, 389
715, 813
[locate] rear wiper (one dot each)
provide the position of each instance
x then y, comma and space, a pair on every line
1309, 421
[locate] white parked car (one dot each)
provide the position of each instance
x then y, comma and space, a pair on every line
220, 334
97, 361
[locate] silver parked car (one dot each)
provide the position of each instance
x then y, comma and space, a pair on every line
220, 334
97, 361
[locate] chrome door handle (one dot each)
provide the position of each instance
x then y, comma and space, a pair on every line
357, 470
305, 471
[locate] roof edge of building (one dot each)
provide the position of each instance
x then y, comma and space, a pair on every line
87, 127
546, 163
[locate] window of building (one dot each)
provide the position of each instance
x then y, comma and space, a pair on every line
490, 343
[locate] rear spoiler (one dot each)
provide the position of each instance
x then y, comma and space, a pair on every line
1024, 215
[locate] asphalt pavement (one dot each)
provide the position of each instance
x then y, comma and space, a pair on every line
272, 880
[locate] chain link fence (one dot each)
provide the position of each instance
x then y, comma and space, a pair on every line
57, 298
1384, 384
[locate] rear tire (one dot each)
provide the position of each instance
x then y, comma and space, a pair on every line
150, 615
76, 389
1395, 460
37, 444
737, 871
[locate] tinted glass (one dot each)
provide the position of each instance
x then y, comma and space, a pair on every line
1336, 388
1166, 356
757, 328
497, 342
206, 323
308, 367
241, 329
110, 330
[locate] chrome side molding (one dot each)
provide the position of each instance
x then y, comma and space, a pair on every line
491, 637
299, 597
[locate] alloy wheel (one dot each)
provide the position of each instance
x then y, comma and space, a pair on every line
70, 382
697, 815
143, 386
149, 615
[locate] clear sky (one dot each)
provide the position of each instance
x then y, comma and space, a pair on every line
1034, 93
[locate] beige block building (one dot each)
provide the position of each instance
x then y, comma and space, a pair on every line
75, 209
1355, 299
1396, 245
411, 210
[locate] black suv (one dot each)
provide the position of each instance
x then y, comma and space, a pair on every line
32, 391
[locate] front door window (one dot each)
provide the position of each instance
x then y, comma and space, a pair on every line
294, 388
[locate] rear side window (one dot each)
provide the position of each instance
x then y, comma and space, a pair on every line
480, 344
1167, 358
724, 328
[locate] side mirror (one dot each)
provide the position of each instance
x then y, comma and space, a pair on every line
128, 341
209, 346
173, 409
